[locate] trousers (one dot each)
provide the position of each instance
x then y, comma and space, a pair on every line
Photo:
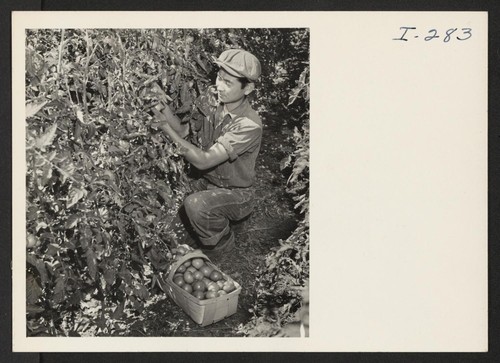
210, 209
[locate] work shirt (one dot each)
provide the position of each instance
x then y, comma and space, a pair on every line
239, 132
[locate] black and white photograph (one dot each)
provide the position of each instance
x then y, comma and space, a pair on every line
167, 182
252, 181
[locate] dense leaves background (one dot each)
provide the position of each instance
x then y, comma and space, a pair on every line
282, 286
103, 187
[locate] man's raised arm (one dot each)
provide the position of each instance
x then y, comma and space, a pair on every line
167, 116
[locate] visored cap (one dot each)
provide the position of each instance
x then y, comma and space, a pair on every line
240, 63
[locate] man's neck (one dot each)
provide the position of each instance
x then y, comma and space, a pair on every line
230, 107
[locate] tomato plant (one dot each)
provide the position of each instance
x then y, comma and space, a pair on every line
103, 187
283, 280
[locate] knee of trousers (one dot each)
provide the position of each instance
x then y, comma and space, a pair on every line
195, 207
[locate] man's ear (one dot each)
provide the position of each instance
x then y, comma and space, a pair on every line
249, 88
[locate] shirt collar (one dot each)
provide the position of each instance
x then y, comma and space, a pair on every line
241, 110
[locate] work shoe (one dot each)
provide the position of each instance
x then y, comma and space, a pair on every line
226, 244
191, 241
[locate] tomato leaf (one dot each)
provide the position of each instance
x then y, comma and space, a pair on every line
74, 196
285, 162
118, 312
72, 221
47, 138
33, 290
33, 108
141, 292
59, 293
75, 298
45, 175
34, 309
40, 267
91, 263
110, 276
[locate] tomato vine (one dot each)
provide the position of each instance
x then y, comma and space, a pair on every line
282, 282
103, 187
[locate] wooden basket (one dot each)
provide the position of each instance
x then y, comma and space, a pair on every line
203, 312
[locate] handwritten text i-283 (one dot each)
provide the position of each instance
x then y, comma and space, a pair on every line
410, 32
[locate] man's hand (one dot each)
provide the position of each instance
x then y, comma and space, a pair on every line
171, 125
173, 122
165, 126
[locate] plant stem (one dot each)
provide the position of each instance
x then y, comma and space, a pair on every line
109, 92
90, 53
67, 89
60, 52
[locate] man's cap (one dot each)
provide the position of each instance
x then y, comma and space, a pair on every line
240, 63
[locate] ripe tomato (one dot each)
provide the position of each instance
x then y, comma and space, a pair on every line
198, 276
215, 275
188, 288
191, 269
213, 287
179, 281
206, 281
199, 285
199, 294
187, 263
210, 294
197, 262
221, 293
188, 277
181, 269
206, 270
228, 286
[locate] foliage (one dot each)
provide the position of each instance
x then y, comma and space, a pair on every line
103, 187
284, 54
282, 281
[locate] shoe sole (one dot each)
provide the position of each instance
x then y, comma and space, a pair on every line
228, 247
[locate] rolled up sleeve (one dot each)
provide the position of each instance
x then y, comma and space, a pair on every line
241, 136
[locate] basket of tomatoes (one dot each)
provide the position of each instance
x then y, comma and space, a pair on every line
204, 292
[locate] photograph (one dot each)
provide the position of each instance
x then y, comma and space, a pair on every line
167, 182
171, 168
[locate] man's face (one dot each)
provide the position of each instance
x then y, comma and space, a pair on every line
229, 88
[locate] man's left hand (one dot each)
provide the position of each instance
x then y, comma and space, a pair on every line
164, 126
